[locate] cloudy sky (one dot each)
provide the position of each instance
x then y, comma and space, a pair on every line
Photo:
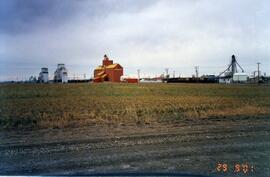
139, 34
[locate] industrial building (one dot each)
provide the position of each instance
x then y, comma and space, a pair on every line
231, 74
240, 78
108, 71
61, 74
43, 75
127, 79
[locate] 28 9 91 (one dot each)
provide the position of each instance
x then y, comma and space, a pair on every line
236, 168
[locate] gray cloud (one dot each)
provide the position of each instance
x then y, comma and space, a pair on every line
149, 35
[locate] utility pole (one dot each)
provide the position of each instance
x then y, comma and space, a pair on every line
173, 74
167, 72
258, 71
139, 71
197, 71
254, 75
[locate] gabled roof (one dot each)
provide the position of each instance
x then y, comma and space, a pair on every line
113, 66
99, 67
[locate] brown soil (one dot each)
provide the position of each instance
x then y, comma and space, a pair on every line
189, 147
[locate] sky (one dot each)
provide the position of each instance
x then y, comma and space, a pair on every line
149, 35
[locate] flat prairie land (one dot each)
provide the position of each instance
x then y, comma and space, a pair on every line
75, 105
184, 129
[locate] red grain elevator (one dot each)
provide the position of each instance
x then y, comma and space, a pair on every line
108, 71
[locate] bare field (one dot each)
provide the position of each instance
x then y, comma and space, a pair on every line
183, 129
76, 105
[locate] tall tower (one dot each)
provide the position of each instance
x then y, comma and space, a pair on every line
233, 64
232, 68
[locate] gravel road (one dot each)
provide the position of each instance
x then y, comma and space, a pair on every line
188, 147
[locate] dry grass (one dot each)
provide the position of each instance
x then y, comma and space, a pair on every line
73, 105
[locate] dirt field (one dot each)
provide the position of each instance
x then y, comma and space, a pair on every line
177, 144
187, 147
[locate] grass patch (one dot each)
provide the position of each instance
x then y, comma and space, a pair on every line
74, 105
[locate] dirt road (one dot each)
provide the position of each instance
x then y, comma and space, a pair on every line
189, 147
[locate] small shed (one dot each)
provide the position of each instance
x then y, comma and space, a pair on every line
240, 77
